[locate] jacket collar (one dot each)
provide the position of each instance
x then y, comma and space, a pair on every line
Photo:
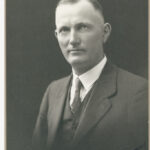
57, 98
96, 108
99, 103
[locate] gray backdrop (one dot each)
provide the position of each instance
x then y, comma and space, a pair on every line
34, 58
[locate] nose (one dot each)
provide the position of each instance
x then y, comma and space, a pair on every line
74, 38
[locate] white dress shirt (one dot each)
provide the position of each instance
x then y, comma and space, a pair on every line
87, 79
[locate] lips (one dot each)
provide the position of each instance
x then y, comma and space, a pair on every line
75, 50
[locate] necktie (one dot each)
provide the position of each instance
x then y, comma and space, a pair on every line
76, 100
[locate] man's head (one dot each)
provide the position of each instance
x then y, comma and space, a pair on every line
81, 32
96, 4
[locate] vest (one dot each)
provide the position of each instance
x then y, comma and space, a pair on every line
69, 123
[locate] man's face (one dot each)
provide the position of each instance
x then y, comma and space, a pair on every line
80, 31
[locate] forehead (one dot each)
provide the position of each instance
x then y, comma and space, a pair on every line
82, 10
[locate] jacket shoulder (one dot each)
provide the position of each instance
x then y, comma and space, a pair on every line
131, 80
59, 82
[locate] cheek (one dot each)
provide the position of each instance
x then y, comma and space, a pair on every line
63, 46
62, 42
94, 36
97, 40
93, 41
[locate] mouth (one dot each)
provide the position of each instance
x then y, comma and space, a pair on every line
76, 50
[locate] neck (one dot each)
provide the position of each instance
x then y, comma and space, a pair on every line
82, 69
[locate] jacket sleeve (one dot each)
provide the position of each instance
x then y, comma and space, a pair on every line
40, 131
139, 118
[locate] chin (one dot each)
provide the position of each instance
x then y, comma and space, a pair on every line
79, 63
77, 58
76, 62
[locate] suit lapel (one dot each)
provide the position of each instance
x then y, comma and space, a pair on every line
58, 96
98, 104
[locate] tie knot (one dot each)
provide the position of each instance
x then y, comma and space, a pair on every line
78, 84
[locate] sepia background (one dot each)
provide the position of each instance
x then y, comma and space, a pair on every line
33, 57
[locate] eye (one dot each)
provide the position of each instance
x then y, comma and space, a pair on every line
64, 30
82, 27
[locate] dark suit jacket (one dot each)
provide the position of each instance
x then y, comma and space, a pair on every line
114, 119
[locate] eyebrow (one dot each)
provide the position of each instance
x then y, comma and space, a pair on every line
84, 22
77, 24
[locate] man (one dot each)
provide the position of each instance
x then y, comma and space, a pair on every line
99, 106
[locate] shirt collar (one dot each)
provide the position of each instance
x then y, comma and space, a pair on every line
88, 78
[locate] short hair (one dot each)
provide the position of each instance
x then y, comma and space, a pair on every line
96, 4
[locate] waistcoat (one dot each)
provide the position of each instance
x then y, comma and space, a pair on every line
69, 123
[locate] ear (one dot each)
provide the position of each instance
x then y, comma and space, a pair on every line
55, 33
107, 31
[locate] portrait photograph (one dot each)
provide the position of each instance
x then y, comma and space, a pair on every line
76, 74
